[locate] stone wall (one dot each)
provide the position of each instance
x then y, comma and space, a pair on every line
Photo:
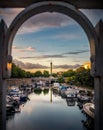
18, 82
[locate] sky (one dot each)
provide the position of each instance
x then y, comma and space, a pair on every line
50, 37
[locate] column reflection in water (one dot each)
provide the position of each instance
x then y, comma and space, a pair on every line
50, 95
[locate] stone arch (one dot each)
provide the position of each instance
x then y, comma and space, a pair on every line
79, 17
52, 6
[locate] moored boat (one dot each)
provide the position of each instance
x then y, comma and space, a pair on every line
88, 108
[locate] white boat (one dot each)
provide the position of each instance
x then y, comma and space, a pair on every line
16, 97
9, 108
70, 93
88, 108
14, 91
56, 86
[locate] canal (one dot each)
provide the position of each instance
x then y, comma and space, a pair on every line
46, 110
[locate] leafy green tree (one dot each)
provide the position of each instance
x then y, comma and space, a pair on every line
14, 71
68, 73
61, 80
83, 77
17, 72
70, 79
46, 73
37, 74
28, 74
54, 75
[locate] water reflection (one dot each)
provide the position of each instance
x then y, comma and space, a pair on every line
70, 101
51, 95
45, 91
38, 91
40, 114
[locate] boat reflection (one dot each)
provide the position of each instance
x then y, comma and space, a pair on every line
45, 91
70, 101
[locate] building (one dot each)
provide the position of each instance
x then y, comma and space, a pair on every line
87, 65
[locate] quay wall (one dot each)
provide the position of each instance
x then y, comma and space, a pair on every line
18, 82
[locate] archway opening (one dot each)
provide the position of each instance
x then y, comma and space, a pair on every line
59, 33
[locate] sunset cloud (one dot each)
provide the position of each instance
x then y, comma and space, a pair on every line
22, 49
14, 47
9, 14
76, 52
29, 65
67, 66
67, 36
37, 22
43, 57
45, 20
63, 55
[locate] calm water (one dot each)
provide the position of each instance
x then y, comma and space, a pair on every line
47, 111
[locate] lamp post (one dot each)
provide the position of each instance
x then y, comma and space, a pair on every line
9, 65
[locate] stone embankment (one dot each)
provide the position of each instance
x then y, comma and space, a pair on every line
18, 82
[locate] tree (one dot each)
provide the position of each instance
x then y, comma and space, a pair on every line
37, 74
17, 72
28, 74
68, 73
83, 77
14, 71
46, 73
54, 75
70, 79
61, 80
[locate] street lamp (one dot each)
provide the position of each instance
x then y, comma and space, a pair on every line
9, 65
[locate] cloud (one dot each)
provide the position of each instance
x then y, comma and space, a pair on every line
66, 36
54, 56
43, 57
29, 49
21, 49
94, 15
14, 47
9, 11
76, 52
37, 22
9, 14
45, 20
67, 66
28, 65
76, 61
